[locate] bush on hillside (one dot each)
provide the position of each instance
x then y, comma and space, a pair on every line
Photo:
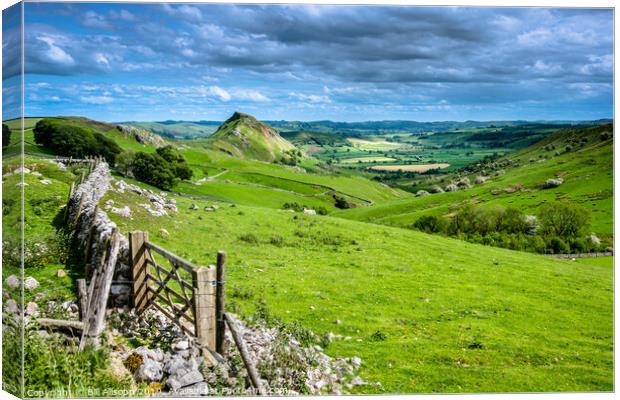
564, 220
481, 179
435, 189
431, 224
74, 141
451, 188
6, 135
342, 203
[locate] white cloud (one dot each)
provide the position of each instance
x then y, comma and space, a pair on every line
55, 53
219, 92
94, 20
185, 11
248, 94
310, 98
96, 99
102, 59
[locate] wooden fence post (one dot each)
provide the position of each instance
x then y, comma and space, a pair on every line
71, 189
204, 306
139, 268
83, 298
219, 302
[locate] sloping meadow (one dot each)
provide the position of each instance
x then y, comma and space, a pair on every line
424, 313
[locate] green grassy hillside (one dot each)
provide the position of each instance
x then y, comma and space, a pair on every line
586, 167
426, 314
244, 137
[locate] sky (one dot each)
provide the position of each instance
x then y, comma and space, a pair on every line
146, 62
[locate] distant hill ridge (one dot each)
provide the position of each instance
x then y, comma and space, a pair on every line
245, 137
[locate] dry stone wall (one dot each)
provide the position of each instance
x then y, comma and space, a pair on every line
93, 228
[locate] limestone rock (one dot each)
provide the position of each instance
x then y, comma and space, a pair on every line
12, 281
30, 283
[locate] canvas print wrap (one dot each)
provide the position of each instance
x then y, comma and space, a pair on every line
245, 199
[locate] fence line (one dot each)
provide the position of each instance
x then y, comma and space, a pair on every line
583, 255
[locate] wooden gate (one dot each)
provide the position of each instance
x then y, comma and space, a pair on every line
186, 294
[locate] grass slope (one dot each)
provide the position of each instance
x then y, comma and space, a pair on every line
243, 136
426, 314
587, 172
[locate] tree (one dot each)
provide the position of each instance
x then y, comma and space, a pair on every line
124, 162
561, 219
178, 163
6, 135
153, 169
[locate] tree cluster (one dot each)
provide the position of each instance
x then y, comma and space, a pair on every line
559, 227
74, 141
160, 169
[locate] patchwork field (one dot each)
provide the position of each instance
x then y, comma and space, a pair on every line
414, 168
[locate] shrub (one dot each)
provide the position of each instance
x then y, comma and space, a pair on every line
451, 188
556, 245
321, 210
378, 336
342, 203
276, 240
249, 238
435, 189
430, 224
480, 179
293, 206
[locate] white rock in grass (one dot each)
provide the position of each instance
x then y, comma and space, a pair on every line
32, 309
309, 212
123, 212
357, 381
10, 306
12, 281
30, 283
552, 183
163, 233
20, 170
45, 182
